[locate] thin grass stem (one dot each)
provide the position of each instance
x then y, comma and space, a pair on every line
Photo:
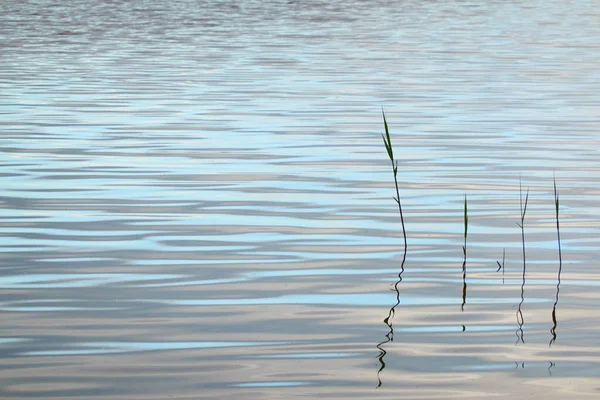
523, 206
387, 141
554, 321
389, 337
464, 266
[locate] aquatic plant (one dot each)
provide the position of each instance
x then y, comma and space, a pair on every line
387, 141
556, 207
389, 337
523, 212
520, 319
464, 265
466, 221
554, 322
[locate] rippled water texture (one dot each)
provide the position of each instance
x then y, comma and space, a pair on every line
196, 202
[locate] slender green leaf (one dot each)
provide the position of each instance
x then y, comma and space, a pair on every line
388, 148
388, 143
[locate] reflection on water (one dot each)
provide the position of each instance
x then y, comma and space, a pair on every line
520, 319
196, 202
501, 266
389, 321
554, 320
464, 264
519, 365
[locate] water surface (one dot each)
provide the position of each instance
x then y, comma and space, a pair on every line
196, 201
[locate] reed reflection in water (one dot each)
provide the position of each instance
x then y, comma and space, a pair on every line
389, 321
523, 201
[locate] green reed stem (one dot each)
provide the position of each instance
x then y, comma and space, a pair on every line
464, 265
523, 212
520, 320
556, 206
466, 221
387, 141
554, 321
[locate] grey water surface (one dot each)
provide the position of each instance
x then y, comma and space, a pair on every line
196, 203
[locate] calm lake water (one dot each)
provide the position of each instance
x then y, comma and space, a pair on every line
196, 202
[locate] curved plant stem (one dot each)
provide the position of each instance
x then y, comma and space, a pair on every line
554, 322
389, 337
520, 319
387, 141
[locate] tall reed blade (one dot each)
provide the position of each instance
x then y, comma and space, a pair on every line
556, 206
466, 218
520, 319
464, 266
389, 337
554, 321
387, 141
522, 224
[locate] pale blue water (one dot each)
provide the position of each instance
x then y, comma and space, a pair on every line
196, 201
